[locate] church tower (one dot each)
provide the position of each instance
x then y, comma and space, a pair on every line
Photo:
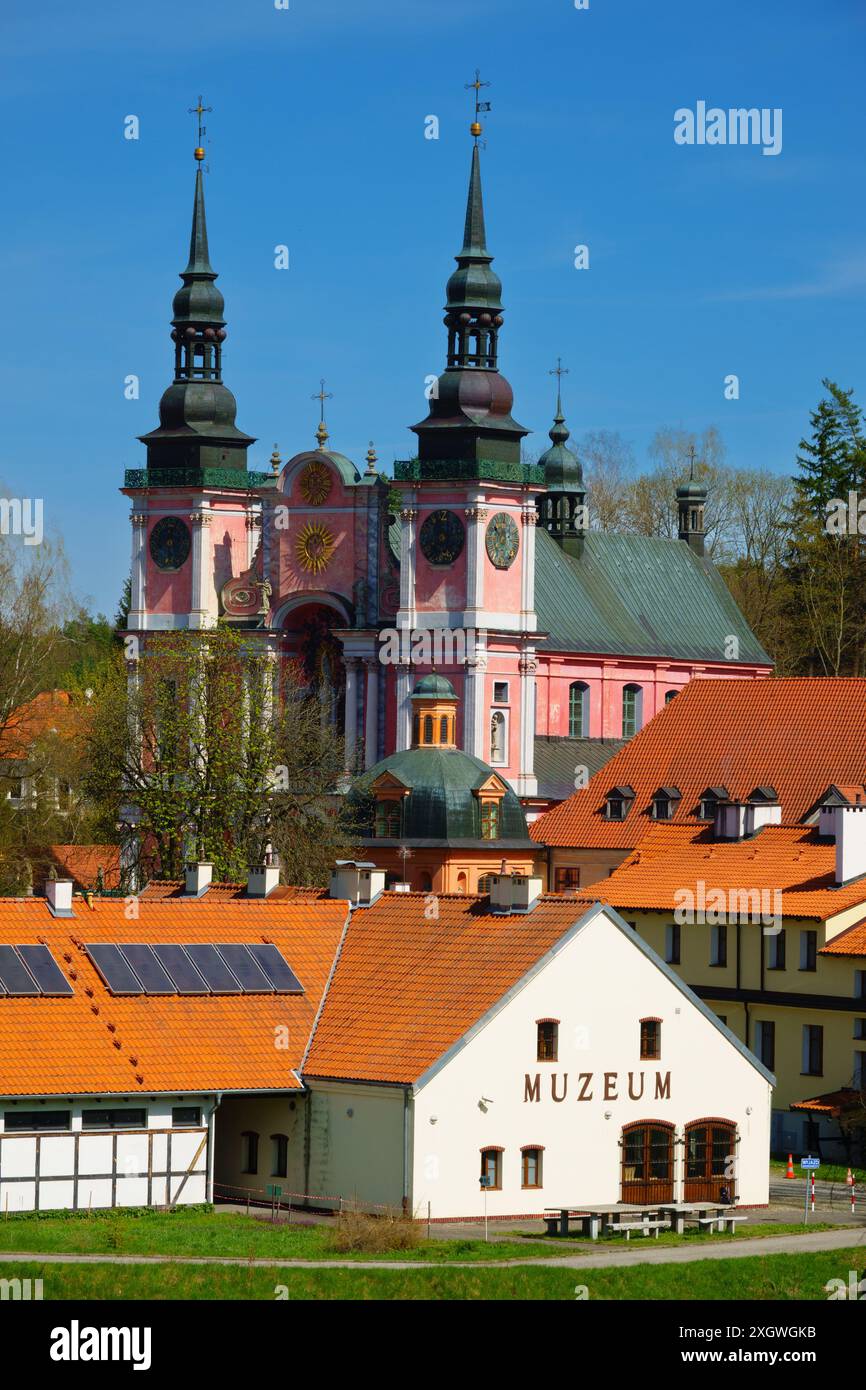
562, 506
467, 524
195, 519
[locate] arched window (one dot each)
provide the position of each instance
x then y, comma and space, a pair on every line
425, 883
462, 883
484, 883
428, 728
497, 738
669, 695
711, 1149
388, 820
632, 710
443, 729
578, 710
249, 1151
648, 1162
279, 1155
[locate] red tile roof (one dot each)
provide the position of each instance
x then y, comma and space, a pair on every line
82, 863
851, 942
799, 735
671, 858
833, 1103
94, 1042
50, 711
407, 987
160, 889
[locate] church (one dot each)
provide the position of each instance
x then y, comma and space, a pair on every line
471, 562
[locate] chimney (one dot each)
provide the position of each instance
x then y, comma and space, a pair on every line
401, 888
262, 879
359, 881
730, 821
850, 834
513, 892
58, 893
763, 808
198, 879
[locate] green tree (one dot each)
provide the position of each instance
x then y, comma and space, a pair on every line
195, 755
832, 461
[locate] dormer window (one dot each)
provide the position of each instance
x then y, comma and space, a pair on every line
387, 820
665, 802
618, 802
489, 820
710, 799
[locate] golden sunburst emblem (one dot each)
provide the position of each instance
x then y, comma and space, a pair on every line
314, 547
316, 484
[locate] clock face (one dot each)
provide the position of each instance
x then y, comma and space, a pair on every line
170, 543
503, 541
442, 536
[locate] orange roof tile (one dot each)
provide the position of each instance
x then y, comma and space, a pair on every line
96, 1043
851, 942
222, 892
797, 734
406, 987
833, 1103
52, 710
790, 859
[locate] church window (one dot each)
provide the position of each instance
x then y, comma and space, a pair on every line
490, 820
500, 692
632, 703
578, 710
484, 887
388, 820
416, 730
428, 728
443, 729
669, 695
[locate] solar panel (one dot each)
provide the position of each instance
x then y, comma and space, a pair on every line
283, 979
14, 978
148, 969
180, 968
249, 975
114, 969
45, 970
209, 963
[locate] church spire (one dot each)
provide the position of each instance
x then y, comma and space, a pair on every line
561, 507
197, 412
470, 418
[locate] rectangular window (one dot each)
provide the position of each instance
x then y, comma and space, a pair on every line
808, 950
249, 1152
672, 944
548, 1040
500, 692
813, 1049
650, 1039
105, 1118
719, 945
491, 1168
776, 952
860, 1029
615, 808
566, 880
765, 1044
18, 1120
860, 984
531, 1168
185, 1116
388, 820
279, 1155
490, 820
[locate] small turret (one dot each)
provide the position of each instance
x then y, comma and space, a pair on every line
691, 501
562, 505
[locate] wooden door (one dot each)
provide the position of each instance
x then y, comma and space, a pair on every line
710, 1150
648, 1163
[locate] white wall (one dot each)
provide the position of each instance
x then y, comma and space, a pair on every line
79, 1168
599, 986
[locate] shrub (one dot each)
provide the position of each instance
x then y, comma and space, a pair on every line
358, 1232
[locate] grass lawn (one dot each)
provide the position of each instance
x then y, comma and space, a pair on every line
794, 1276
828, 1172
202, 1232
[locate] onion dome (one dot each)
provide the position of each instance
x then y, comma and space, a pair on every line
562, 469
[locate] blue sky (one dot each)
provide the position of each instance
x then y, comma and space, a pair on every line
704, 261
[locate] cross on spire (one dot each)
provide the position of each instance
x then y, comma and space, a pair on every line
559, 372
691, 455
321, 396
198, 111
480, 106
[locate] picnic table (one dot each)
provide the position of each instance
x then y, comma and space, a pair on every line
715, 1215
611, 1217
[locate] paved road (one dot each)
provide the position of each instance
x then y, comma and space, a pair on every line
640, 1251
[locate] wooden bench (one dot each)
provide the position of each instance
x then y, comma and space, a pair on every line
644, 1226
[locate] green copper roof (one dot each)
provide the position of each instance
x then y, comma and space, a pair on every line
434, 687
632, 595
562, 470
441, 804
